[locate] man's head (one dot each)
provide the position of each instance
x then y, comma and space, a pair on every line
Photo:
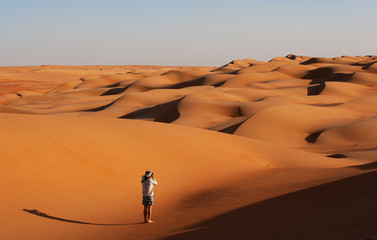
148, 174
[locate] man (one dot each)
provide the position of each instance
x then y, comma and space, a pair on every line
148, 181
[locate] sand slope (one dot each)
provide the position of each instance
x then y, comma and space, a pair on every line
343, 209
88, 170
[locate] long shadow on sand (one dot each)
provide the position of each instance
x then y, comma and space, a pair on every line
41, 214
345, 209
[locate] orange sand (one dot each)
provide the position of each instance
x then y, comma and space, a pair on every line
284, 149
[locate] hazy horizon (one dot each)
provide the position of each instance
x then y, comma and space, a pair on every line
166, 32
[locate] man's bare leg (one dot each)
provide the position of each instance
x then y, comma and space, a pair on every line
150, 213
145, 213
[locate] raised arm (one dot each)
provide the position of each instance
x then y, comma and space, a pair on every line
154, 181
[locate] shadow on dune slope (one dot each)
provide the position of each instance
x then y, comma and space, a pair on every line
343, 209
165, 112
41, 214
368, 166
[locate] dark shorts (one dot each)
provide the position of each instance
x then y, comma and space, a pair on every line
147, 200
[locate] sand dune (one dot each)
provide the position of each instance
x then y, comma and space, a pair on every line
251, 148
209, 97
336, 210
88, 169
43, 78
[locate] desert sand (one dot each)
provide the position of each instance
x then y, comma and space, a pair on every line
284, 149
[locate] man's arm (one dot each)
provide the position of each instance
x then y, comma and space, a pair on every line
154, 181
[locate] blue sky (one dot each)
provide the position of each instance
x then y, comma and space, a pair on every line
180, 32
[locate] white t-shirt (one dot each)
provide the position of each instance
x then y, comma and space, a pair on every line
148, 186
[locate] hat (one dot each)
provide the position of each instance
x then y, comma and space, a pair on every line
148, 174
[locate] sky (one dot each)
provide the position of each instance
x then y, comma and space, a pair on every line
181, 32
